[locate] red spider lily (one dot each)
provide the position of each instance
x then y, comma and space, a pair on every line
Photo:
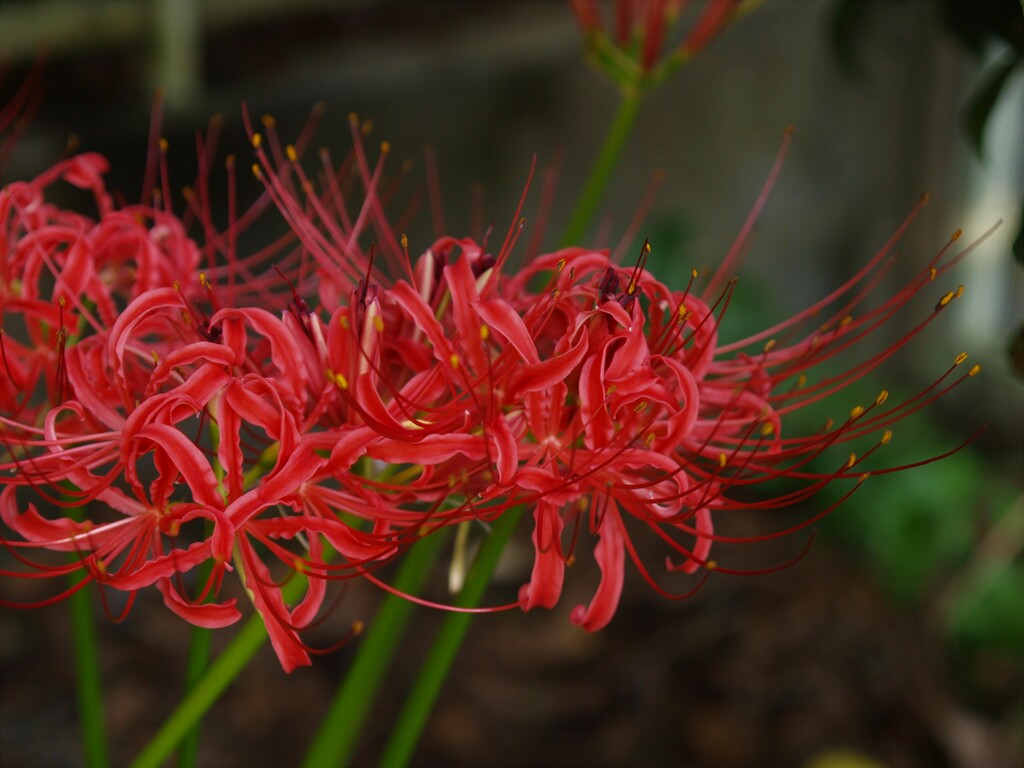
632, 51
136, 361
604, 397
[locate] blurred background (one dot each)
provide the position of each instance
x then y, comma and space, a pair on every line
899, 639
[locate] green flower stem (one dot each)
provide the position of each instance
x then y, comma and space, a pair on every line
217, 677
341, 728
200, 638
195, 667
419, 704
87, 670
612, 148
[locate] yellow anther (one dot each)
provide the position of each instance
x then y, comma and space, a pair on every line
767, 429
560, 265
256, 170
974, 371
292, 154
385, 147
378, 323
62, 301
257, 140
933, 273
846, 321
956, 236
357, 627
722, 460
268, 121
959, 291
610, 391
693, 273
640, 407
405, 241
485, 332
229, 162
177, 286
186, 193
163, 144
863, 477
570, 560
851, 461
682, 312
343, 321
155, 356
367, 127
886, 437
856, 412
945, 300
711, 565
649, 439
454, 360
340, 381
882, 397
202, 280
769, 345
801, 380
959, 358
828, 424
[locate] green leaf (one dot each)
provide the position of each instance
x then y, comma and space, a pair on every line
983, 100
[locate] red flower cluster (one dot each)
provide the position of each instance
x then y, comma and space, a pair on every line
185, 405
633, 48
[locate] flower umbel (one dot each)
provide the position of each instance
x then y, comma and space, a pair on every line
638, 48
317, 407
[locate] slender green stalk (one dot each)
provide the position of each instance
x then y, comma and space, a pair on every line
195, 667
614, 143
200, 637
215, 680
87, 670
341, 728
218, 677
419, 704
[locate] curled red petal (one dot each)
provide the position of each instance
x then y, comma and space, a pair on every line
610, 555
545, 585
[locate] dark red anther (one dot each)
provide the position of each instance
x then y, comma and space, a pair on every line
298, 305
364, 284
609, 285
